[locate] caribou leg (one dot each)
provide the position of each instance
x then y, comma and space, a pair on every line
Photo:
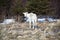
33, 25
30, 24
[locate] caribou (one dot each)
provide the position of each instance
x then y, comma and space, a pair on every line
31, 19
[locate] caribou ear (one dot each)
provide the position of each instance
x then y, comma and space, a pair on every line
23, 13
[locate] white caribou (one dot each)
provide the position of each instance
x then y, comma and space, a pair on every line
31, 18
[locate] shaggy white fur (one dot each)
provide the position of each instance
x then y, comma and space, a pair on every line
32, 18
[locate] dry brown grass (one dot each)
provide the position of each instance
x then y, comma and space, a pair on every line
21, 31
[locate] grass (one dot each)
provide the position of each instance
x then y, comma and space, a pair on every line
21, 31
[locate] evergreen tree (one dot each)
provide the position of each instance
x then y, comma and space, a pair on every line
16, 7
37, 6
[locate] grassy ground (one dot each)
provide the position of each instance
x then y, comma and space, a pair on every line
21, 31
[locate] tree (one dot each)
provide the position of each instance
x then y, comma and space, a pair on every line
38, 6
17, 7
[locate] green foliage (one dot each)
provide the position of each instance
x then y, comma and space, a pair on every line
3, 2
18, 8
37, 6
